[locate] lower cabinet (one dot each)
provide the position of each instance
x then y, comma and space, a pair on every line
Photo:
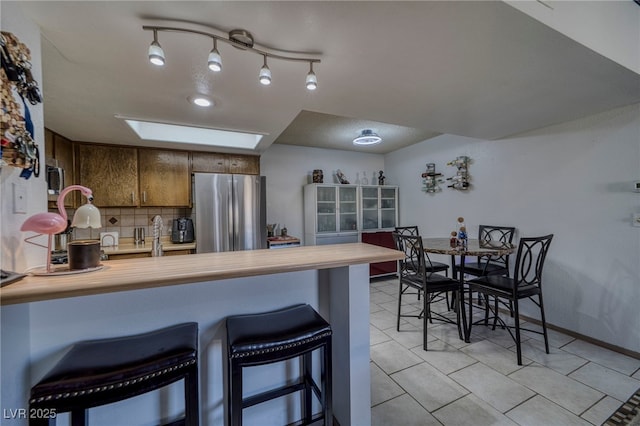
383, 239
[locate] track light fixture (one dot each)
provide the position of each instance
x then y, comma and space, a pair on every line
367, 137
156, 54
215, 60
240, 39
312, 80
265, 73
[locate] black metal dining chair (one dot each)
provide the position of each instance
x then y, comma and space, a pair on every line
434, 266
525, 284
414, 274
489, 235
490, 265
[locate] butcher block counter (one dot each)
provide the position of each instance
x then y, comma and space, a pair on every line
43, 315
135, 274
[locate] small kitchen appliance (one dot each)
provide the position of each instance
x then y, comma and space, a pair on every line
182, 230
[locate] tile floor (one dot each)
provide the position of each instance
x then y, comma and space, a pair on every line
480, 383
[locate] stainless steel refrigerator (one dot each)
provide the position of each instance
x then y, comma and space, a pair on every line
230, 212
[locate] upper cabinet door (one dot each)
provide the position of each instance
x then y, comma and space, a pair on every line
209, 162
244, 164
164, 178
111, 173
63, 153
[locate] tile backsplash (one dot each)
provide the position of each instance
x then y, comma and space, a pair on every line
124, 220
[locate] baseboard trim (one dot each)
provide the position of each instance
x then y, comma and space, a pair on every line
623, 351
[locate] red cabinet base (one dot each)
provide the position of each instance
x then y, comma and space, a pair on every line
383, 239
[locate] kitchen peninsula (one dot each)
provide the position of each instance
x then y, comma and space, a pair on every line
44, 315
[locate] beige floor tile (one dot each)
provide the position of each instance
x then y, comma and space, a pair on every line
401, 411
471, 410
499, 391
391, 357
539, 411
607, 381
564, 391
431, 388
601, 411
495, 356
445, 358
383, 388
557, 359
608, 358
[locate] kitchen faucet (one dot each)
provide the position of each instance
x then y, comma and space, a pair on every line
156, 249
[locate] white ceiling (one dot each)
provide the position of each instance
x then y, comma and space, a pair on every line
411, 70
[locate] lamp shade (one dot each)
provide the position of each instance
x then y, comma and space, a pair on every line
215, 61
87, 216
156, 54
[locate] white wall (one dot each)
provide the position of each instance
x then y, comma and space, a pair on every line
573, 180
15, 254
288, 168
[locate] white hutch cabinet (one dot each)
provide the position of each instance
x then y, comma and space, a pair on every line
335, 213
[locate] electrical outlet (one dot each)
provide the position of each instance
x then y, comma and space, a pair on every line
636, 219
19, 198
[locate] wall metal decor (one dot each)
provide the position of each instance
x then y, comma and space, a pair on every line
431, 179
460, 180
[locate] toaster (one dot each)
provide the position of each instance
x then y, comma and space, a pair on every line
182, 230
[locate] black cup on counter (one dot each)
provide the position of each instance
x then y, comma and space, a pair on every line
84, 254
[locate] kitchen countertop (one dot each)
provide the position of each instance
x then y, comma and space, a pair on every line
150, 272
128, 246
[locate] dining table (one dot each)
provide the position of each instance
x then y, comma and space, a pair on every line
472, 247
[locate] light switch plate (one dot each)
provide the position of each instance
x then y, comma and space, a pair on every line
636, 220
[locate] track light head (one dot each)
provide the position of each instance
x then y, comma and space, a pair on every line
156, 54
265, 73
312, 80
215, 60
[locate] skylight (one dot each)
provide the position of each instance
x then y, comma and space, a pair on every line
148, 130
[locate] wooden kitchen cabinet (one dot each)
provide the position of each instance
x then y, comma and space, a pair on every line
111, 172
59, 153
63, 153
244, 164
164, 178
132, 177
209, 162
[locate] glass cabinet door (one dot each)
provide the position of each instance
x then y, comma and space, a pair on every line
348, 210
388, 203
326, 209
370, 219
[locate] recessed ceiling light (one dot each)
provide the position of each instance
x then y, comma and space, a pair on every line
201, 101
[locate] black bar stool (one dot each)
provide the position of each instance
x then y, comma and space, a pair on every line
99, 372
264, 338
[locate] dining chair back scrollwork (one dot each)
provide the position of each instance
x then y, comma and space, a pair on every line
490, 236
413, 271
525, 284
432, 266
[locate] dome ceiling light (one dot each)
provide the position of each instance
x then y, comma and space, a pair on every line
240, 39
367, 137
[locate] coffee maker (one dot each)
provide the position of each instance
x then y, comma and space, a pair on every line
182, 230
